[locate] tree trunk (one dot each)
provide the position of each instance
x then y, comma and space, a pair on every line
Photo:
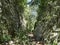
12, 16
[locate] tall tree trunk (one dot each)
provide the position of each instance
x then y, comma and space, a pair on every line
12, 15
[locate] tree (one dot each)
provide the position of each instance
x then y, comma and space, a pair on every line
11, 17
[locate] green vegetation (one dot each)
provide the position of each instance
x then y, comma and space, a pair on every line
27, 23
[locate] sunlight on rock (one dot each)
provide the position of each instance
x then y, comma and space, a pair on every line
53, 35
11, 43
27, 5
58, 43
